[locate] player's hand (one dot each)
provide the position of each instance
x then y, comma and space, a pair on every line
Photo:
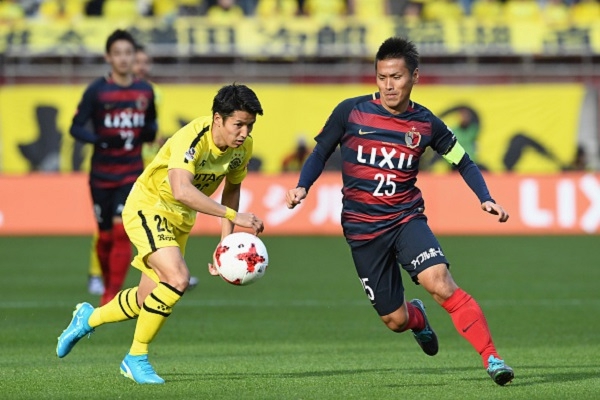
249, 220
495, 209
295, 196
212, 270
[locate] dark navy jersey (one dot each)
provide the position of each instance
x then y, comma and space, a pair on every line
380, 161
117, 120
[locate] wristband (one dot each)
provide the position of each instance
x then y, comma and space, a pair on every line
230, 213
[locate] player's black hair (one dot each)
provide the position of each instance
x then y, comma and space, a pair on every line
396, 47
234, 97
140, 48
119, 34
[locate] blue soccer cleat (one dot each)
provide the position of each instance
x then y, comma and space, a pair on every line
77, 329
426, 337
499, 372
138, 369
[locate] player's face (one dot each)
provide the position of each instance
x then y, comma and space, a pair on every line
121, 56
395, 82
141, 65
233, 131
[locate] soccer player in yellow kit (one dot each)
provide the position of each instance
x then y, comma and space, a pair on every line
159, 214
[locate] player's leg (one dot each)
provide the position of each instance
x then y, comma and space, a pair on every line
165, 279
468, 319
103, 211
431, 270
95, 281
120, 254
378, 271
86, 318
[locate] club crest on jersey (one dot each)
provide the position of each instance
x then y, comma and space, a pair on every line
189, 155
142, 103
235, 163
412, 138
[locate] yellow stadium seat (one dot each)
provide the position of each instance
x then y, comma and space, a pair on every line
325, 8
277, 8
61, 9
442, 10
585, 12
217, 13
487, 10
556, 14
11, 11
163, 8
120, 9
522, 11
369, 8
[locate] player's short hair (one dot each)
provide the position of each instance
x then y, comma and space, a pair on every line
140, 48
397, 47
234, 97
119, 34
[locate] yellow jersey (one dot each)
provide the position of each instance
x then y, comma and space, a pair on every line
191, 148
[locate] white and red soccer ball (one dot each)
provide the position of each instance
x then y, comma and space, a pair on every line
241, 258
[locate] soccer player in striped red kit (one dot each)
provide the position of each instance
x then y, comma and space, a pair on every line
116, 114
381, 138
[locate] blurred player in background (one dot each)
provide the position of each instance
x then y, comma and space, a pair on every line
159, 215
116, 114
382, 136
142, 67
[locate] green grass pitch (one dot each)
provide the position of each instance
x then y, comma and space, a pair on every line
306, 330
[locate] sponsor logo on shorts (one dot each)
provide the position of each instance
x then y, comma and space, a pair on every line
426, 255
162, 236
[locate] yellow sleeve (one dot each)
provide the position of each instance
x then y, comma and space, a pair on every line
237, 175
186, 148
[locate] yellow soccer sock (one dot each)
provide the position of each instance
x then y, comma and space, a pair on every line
122, 307
155, 310
95, 269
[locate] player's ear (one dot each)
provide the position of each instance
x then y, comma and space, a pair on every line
416, 76
217, 119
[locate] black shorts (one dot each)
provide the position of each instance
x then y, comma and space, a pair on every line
109, 203
412, 245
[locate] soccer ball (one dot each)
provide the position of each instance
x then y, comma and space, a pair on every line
241, 258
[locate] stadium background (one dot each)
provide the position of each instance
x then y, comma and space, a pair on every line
529, 71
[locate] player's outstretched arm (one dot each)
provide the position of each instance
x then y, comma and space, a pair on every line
184, 191
495, 209
295, 196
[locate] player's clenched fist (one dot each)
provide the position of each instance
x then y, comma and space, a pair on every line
295, 196
249, 220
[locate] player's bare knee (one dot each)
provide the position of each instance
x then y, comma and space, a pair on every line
438, 281
180, 281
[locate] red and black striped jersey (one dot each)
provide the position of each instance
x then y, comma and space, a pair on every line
117, 120
380, 160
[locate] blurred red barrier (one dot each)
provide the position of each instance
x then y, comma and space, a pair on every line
40, 204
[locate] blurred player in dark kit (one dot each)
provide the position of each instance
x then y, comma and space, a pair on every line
116, 114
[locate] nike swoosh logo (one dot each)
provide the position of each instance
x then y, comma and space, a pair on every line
469, 326
361, 132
